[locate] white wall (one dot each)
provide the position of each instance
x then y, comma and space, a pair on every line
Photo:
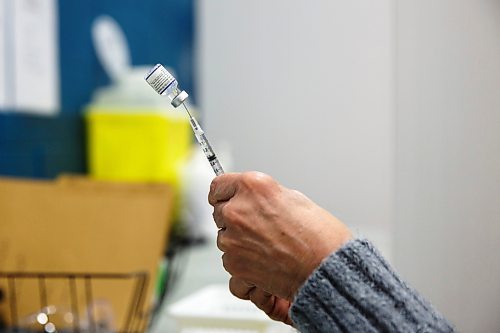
447, 239
387, 113
311, 88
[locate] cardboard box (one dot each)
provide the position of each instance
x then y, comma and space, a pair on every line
75, 225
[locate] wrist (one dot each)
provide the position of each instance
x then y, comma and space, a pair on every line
320, 249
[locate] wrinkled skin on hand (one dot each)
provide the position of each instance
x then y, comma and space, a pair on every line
276, 308
272, 238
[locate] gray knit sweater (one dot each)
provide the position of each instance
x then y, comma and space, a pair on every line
355, 290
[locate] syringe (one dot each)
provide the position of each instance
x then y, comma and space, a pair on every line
165, 84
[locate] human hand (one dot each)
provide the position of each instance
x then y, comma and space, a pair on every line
272, 237
276, 308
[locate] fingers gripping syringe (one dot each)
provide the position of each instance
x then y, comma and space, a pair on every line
165, 84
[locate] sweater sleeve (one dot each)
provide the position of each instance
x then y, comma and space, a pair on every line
355, 290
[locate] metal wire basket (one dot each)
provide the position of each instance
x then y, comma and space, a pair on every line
73, 302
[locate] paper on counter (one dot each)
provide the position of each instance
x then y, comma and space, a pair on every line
29, 55
3, 75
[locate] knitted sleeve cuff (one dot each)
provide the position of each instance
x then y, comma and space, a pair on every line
355, 290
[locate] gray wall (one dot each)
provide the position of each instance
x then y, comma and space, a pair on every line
447, 230
387, 113
311, 88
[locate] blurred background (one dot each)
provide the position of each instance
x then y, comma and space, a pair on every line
385, 113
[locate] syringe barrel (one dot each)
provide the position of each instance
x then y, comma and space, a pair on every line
210, 154
165, 84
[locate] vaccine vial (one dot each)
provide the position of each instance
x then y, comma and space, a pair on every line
165, 83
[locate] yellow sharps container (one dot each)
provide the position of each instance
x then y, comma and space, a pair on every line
132, 135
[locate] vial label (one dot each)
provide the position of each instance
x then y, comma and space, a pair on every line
160, 79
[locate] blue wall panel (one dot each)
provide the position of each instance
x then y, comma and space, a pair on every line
156, 30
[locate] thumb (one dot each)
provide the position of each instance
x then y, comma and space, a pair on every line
223, 188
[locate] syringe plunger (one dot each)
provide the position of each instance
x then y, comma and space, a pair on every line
165, 84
